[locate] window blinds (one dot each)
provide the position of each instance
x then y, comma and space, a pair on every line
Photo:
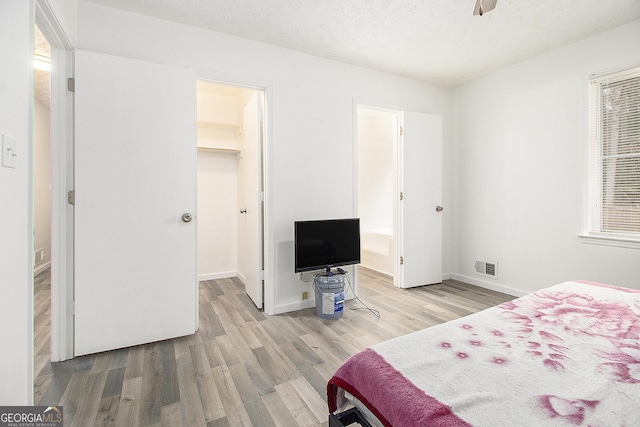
615, 153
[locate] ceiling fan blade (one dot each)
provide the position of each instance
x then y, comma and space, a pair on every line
484, 6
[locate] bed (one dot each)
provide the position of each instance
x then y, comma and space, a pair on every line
568, 355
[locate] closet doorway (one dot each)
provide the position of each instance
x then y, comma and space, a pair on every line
231, 185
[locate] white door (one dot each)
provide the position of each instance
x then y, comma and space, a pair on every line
419, 213
250, 202
135, 157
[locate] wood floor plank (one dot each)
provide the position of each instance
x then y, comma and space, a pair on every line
234, 408
296, 406
191, 401
220, 422
314, 402
41, 384
169, 378
49, 389
254, 405
249, 336
135, 363
151, 401
74, 395
214, 355
274, 371
107, 411
129, 406
102, 362
279, 413
92, 395
209, 396
171, 415
113, 384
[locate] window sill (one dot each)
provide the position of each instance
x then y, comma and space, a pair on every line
621, 242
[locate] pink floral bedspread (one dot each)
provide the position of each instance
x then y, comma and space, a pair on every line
568, 355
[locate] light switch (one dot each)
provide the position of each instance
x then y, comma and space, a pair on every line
9, 155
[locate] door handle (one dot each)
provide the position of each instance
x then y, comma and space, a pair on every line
186, 217
243, 211
439, 208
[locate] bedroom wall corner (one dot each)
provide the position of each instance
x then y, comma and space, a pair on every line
519, 169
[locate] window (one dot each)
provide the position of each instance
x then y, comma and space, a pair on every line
614, 156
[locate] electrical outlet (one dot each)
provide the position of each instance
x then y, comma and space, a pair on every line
305, 295
9, 152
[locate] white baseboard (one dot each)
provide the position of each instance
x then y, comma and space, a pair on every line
446, 276
377, 271
242, 277
490, 285
294, 306
213, 276
311, 302
39, 269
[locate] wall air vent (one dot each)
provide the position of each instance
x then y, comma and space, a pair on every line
487, 269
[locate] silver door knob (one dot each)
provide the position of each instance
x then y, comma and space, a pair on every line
439, 208
186, 217
243, 211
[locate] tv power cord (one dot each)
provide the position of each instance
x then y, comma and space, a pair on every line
349, 287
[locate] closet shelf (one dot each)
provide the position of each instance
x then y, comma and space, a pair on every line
220, 126
218, 150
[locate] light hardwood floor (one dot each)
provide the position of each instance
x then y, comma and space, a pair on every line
241, 368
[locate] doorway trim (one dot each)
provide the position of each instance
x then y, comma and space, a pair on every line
266, 87
397, 206
61, 145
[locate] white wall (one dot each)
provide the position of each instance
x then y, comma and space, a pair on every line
519, 170
66, 14
217, 215
16, 315
310, 118
41, 185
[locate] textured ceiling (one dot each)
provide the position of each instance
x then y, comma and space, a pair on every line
438, 41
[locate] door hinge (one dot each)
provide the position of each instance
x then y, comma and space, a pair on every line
71, 308
261, 196
401, 195
261, 274
401, 260
401, 130
71, 197
71, 84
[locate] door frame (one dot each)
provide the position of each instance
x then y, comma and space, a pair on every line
62, 166
397, 206
266, 87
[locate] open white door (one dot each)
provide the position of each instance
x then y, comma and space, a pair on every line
420, 215
250, 202
135, 157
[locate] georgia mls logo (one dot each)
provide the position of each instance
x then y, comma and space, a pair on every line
31, 416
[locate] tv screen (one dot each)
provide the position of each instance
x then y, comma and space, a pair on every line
326, 243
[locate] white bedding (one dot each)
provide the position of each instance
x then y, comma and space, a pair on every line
563, 356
